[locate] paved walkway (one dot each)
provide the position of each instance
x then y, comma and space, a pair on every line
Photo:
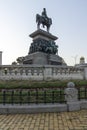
45, 121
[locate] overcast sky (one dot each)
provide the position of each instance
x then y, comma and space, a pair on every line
18, 20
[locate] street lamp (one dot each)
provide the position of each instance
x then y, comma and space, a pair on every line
75, 58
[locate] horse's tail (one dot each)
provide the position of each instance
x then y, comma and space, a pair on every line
50, 21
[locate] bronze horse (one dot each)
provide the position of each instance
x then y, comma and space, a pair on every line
44, 21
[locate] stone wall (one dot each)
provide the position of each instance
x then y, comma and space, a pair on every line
39, 72
0, 57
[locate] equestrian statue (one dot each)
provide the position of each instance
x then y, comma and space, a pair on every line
44, 20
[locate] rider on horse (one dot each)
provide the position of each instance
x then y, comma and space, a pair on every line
44, 15
44, 20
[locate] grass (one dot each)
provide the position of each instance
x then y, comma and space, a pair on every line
12, 84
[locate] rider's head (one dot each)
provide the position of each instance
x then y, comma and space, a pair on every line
44, 9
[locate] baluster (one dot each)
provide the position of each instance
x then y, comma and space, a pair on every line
24, 73
29, 72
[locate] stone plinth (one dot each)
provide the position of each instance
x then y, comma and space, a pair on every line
43, 59
73, 106
43, 50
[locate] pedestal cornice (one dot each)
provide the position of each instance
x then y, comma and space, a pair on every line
43, 33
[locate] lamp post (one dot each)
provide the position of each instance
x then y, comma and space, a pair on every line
75, 58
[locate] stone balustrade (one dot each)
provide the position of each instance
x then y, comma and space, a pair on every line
39, 72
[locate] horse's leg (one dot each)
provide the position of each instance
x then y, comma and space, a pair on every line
48, 29
38, 26
42, 25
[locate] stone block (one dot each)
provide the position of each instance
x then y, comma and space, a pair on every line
73, 106
33, 108
83, 104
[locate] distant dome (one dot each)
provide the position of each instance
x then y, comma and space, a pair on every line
82, 60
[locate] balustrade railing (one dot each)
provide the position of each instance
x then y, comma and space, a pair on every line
40, 72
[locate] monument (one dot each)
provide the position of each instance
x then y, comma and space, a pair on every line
43, 49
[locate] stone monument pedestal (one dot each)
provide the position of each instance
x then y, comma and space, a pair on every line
43, 50
43, 59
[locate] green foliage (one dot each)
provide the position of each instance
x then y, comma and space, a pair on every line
44, 95
12, 84
32, 96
